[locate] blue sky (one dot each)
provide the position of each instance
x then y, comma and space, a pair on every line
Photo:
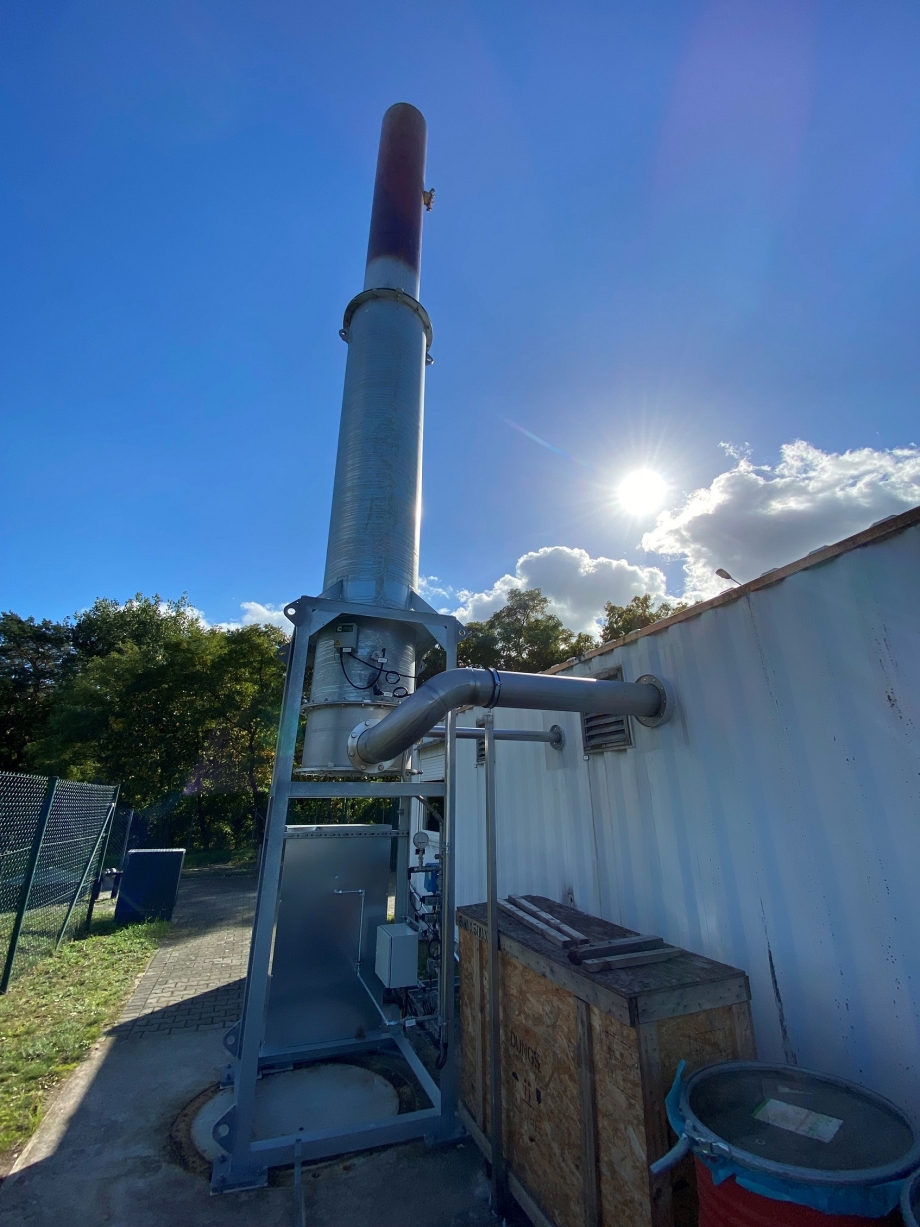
658, 228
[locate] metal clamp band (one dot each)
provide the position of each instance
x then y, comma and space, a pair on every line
496, 688
385, 292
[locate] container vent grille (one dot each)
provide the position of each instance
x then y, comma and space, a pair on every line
601, 731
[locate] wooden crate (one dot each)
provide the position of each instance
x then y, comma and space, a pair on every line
587, 1060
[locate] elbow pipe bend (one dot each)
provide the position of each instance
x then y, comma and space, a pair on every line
372, 744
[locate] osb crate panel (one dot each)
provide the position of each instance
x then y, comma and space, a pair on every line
586, 1063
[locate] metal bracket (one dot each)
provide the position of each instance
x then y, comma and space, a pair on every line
231, 1040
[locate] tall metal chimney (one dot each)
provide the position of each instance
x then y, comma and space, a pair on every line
372, 555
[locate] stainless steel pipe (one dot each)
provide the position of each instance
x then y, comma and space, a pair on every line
554, 736
374, 743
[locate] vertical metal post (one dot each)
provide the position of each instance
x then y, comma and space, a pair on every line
448, 1057
401, 904
108, 827
29, 877
495, 1062
124, 846
239, 1170
103, 830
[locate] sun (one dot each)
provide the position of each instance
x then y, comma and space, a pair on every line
641, 492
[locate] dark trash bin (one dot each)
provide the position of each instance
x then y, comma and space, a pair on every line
149, 884
780, 1144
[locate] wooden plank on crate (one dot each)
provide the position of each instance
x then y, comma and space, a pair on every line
553, 921
621, 945
478, 1054
527, 1203
548, 931
589, 1169
657, 1137
692, 998
743, 1026
639, 959
516, 1189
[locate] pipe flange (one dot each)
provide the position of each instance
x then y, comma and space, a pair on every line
355, 758
666, 706
399, 296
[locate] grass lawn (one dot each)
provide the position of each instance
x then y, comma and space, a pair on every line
54, 1012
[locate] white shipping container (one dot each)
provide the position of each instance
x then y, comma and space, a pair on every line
773, 824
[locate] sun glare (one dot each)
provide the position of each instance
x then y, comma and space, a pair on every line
641, 492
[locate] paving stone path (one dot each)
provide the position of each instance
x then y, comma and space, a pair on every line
195, 980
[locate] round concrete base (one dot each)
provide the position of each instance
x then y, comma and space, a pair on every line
333, 1096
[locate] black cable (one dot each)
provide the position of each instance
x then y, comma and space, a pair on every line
391, 676
354, 685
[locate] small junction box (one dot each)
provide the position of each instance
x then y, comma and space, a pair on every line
397, 955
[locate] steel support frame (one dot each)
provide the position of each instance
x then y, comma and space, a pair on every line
246, 1163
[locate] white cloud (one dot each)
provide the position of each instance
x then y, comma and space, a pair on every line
576, 584
753, 517
256, 614
749, 519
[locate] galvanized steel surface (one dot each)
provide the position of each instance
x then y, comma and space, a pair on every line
374, 525
373, 546
774, 824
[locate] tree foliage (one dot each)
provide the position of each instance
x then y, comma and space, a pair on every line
521, 636
183, 716
620, 620
34, 657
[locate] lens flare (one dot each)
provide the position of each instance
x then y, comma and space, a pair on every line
641, 492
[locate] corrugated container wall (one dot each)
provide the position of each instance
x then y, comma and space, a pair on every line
773, 824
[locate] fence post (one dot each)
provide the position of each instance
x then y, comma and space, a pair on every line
103, 830
124, 846
40, 827
97, 882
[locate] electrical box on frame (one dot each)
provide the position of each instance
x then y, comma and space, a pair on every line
397, 955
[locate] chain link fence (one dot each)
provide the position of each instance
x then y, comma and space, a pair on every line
53, 836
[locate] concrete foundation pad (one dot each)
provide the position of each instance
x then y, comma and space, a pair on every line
103, 1158
315, 1097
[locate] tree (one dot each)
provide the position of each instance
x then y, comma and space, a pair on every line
250, 678
521, 637
139, 715
182, 715
620, 620
34, 659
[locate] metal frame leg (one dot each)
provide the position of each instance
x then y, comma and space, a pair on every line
238, 1170
499, 1183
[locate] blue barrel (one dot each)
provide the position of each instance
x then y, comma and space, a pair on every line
910, 1201
794, 1137
149, 884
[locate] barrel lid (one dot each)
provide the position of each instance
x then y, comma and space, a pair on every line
798, 1124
